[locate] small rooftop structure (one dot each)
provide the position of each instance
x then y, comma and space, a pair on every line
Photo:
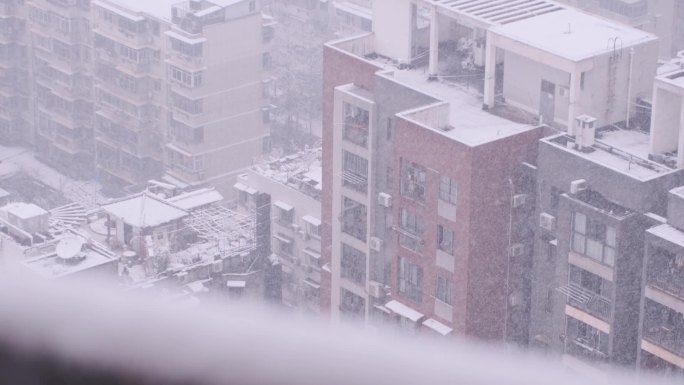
195, 199
24, 210
144, 210
130, 9
667, 136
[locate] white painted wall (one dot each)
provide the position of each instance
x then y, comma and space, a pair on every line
392, 28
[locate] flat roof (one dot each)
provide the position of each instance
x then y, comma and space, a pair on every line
24, 210
51, 266
194, 199
624, 151
668, 233
468, 123
160, 9
144, 210
572, 34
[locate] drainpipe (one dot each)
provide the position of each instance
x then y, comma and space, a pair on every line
629, 85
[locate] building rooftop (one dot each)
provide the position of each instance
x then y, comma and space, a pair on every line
56, 264
624, 151
668, 233
24, 210
462, 118
572, 34
160, 9
194, 199
488, 12
301, 171
144, 210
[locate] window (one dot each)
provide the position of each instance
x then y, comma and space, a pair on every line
390, 128
191, 106
410, 280
284, 244
355, 172
413, 178
352, 304
412, 228
447, 190
185, 78
353, 264
187, 49
284, 213
555, 197
444, 290
353, 218
445, 239
356, 121
186, 134
313, 226
593, 239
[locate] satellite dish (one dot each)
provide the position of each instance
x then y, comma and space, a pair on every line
69, 248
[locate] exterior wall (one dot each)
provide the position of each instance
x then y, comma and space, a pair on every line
600, 97
339, 68
232, 115
128, 148
294, 290
62, 85
557, 168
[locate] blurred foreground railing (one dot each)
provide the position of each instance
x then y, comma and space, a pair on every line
74, 335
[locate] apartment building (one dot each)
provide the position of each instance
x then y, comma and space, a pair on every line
420, 191
15, 116
130, 89
293, 184
60, 60
218, 110
662, 303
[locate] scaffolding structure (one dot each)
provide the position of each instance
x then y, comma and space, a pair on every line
229, 232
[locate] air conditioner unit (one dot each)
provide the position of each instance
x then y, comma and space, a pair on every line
547, 222
385, 200
516, 250
376, 289
519, 200
375, 244
577, 186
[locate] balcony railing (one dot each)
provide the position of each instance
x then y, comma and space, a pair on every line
355, 181
585, 299
585, 349
666, 336
669, 280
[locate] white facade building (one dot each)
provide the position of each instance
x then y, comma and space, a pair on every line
294, 185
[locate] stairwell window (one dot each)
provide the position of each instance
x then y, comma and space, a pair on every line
411, 280
447, 190
445, 238
444, 290
413, 178
412, 228
353, 264
593, 239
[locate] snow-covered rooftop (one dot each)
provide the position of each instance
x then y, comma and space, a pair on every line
50, 265
23, 210
466, 121
194, 199
625, 151
572, 34
668, 233
144, 210
301, 171
160, 9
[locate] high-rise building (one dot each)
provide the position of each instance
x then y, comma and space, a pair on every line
130, 86
60, 60
219, 115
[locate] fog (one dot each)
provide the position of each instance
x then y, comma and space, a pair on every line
341, 191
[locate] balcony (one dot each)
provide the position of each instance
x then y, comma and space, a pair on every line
588, 301
667, 336
585, 349
666, 272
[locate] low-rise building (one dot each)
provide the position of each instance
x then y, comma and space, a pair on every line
294, 184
